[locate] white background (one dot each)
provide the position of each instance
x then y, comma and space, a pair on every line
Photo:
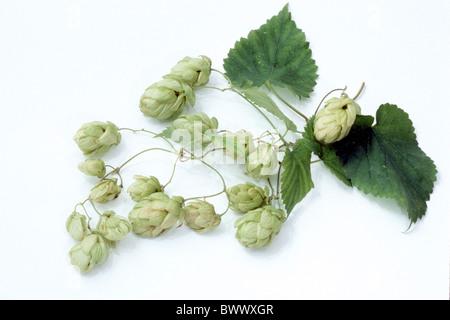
64, 63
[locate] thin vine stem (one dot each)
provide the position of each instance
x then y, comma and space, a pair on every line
260, 111
231, 88
142, 152
224, 75
278, 185
173, 172
115, 171
81, 204
215, 170
118, 169
271, 189
323, 99
360, 91
272, 89
93, 206
228, 208
156, 135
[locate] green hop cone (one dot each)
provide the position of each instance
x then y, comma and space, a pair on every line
156, 214
92, 250
239, 145
263, 162
247, 197
259, 227
96, 138
166, 99
193, 71
143, 187
197, 129
113, 227
105, 191
201, 216
93, 167
77, 226
334, 121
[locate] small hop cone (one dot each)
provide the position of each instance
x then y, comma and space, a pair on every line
259, 227
247, 197
197, 129
92, 250
239, 145
334, 121
144, 187
166, 99
263, 162
156, 214
193, 71
93, 167
113, 227
105, 191
201, 216
96, 138
77, 226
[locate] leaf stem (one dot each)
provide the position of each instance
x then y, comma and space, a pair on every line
225, 76
360, 90
260, 111
215, 88
272, 89
323, 99
231, 88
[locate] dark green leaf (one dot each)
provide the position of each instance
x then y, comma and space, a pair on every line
277, 52
325, 152
296, 181
385, 160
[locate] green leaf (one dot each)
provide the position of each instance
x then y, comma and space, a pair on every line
325, 152
385, 160
333, 163
277, 52
167, 133
296, 181
263, 100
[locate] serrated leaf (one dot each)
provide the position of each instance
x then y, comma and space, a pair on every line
385, 160
263, 100
296, 181
167, 133
277, 52
334, 164
325, 152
